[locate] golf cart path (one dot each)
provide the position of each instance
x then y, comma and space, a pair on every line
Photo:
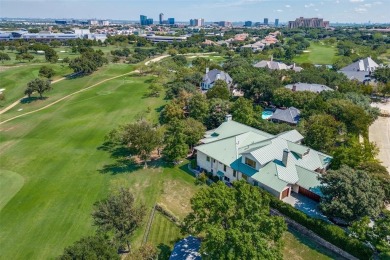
18, 101
74, 93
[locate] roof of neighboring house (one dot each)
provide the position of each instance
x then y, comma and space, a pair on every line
366, 64
272, 65
211, 76
289, 115
357, 75
316, 88
231, 141
186, 249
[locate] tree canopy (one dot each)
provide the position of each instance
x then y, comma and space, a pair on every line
38, 85
350, 194
46, 72
219, 90
235, 223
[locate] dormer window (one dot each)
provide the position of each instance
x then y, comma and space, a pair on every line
250, 162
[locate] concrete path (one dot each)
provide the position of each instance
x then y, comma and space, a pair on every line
379, 133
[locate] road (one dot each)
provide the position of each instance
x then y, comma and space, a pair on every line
379, 133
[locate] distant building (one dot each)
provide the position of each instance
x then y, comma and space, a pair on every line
224, 24
290, 116
211, 76
143, 19
308, 23
266, 21
316, 88
360, 70
197, 22
104, 23
171, 21
149, 21
276, 22
248, 24
161, 18
61, 22
93, 22
169, 39
275, 65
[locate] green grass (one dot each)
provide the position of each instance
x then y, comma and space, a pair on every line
10, 184
163, 231
57, 152
318, 53
14, 79
299, 247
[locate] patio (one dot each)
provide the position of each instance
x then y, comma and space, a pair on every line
304, 204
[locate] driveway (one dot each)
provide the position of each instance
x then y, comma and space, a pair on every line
304, 204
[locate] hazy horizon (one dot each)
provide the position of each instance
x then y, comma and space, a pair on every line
335, 11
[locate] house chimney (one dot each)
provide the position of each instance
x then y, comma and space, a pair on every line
228, 118
218, 76
285, 156
207, 70
294, 88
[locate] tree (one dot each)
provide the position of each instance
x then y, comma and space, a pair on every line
218, 109
155, 89
141, 138
92, 247
172, 111
382, 75
4, 56
243, 112
198, 107
176, 147
51, 55
145, 252
219, 90
119, 214
88, 62
235, 223
27, 56
46, 72
194, 131
322, 132
38, 85
350, 194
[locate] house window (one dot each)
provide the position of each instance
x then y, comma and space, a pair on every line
224, 168
234, 173
255, 183
208, 158
244, 177
250, 162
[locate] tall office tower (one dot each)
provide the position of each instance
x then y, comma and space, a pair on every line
266, 21
161, 16
149, 21
248, 24
192, 22
143, 19
276, 22
171, 21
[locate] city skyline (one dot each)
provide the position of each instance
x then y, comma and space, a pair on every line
350, 11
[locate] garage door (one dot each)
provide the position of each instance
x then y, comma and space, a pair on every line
309, 194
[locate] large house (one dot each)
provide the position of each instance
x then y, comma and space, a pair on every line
275, 65
276, 163
212, 76
289, 115
360, 70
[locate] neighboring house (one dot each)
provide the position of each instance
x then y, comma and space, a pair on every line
316, 88
276, 163
274, 65
360, 70
257, 46
186, 249
211, 76
290, 116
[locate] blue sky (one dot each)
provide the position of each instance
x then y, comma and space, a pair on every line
212, 10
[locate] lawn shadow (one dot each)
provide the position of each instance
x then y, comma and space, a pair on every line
28, 100
159, 109
185, 168
313, 245
165, 251
123, 165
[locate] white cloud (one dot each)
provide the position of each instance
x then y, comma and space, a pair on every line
337, 1
367, 5
287, 6
279, 10
316, 9
356, 1
309, 5
360, 10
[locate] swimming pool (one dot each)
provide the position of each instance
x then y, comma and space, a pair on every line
266, 114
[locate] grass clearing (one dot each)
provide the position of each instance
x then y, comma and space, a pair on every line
163, 231
10, 184
318, 53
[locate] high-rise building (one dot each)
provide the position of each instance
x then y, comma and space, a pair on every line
308, 23
225, 24
197, 22
266, 21
161, 16
171, 21
149, 21
143, 19
248, 24
276, 22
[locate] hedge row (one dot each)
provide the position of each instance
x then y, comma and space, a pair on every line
168, 214
331, 233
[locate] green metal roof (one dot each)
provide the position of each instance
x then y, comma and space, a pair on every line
308, 180
268, 175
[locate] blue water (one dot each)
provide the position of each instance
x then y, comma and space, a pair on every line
266, 114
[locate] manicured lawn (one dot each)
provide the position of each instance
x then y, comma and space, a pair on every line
318, 53
163, 231
14, 79
299, 247
10, 184
57, 153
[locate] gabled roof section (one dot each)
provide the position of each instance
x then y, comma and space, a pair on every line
215, 74
289, 115
293, 136
366, 64
309, 180
316, 88
268, 176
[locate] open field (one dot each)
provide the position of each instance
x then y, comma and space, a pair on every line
163, 231
386, 57
10, 184
317, 53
